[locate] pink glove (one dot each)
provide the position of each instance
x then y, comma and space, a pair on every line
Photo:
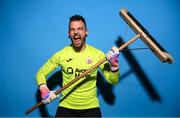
46, 95
112, 57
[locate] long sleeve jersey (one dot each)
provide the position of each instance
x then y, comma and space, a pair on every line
82, 94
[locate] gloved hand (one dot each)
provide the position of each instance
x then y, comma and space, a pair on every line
46, 95
112, 57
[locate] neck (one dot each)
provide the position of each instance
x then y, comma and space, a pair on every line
81, 48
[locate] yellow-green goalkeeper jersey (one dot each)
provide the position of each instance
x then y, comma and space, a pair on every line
82, 94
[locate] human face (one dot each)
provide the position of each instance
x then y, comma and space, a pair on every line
77, 33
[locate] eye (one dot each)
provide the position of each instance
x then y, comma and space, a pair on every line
81, 28
71, 29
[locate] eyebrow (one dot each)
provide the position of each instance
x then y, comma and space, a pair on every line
83, 27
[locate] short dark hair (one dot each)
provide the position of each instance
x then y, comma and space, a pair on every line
77, 18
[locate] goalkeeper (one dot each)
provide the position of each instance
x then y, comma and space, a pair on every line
80, 99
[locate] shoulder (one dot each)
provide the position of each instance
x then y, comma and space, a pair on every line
95, 50
63, 51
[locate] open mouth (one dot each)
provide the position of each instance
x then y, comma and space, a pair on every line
77, 39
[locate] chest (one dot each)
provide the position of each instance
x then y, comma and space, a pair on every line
78, 62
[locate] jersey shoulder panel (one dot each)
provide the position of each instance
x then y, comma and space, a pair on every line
65, 51
96, 51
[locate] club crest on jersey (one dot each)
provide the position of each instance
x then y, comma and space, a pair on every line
89, 60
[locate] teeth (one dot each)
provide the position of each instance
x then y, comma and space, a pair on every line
76, 37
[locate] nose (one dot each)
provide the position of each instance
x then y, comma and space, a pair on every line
76, 31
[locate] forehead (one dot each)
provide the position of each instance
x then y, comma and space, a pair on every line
75, 24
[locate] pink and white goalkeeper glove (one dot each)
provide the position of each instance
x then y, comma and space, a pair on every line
112, 56
46, 95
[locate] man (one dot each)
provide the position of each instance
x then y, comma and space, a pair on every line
80, 99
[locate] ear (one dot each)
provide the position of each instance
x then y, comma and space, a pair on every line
68, 34
86, 32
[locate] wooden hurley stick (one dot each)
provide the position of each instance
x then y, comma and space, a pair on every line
83, 74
